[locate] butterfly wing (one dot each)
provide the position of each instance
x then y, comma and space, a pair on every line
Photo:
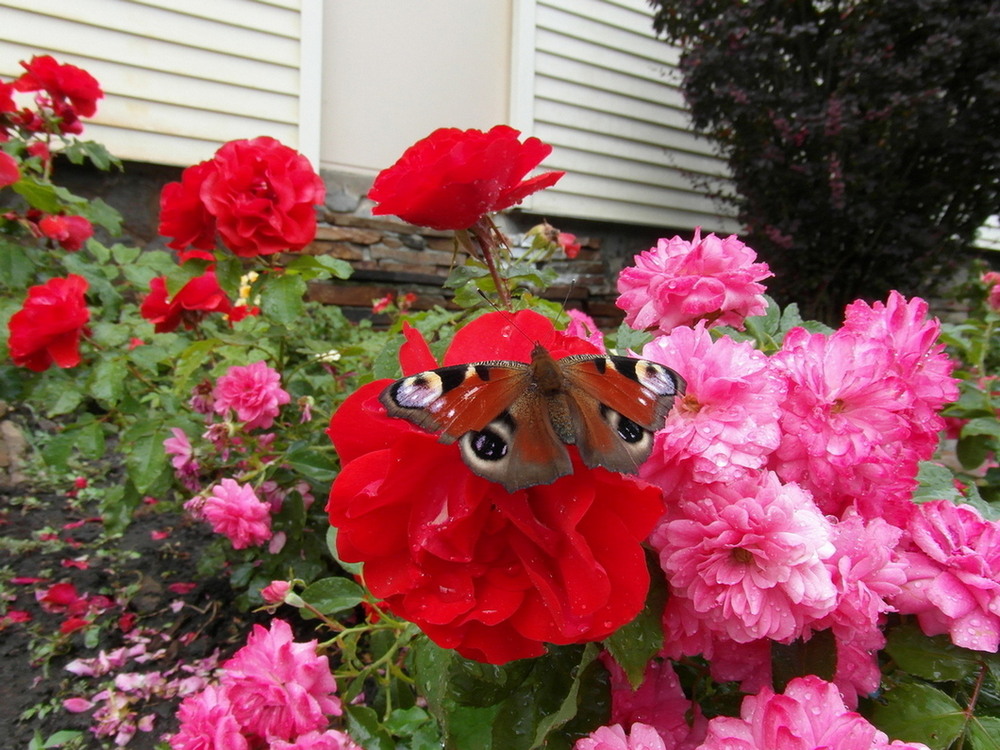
503, 428
458, 399
617, 404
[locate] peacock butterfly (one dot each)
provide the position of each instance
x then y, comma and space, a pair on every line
513, 419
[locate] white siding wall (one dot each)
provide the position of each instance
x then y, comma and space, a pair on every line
180, 76
591, 79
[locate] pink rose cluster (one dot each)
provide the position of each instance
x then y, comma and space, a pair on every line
273, 693
251, 395
678, 283
789, 480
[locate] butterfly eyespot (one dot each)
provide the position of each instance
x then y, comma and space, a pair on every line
629, 431
488, 445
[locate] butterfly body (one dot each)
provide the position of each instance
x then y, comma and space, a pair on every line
513, 420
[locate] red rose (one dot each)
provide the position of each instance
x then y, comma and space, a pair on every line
62, 82
7, 99
47, 328
9, 170
69, 231
453, 177
492, 574
201, 295
258, 195
183, 216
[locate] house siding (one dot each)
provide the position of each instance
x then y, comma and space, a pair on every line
604, 92
180, 78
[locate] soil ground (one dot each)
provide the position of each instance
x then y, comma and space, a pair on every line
158, 549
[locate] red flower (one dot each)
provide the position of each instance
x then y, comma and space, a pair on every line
6, 100
48, 326
9, 171
182, 214
201, 295
62, 82
69, 231
258, 195
453, 177
492, 574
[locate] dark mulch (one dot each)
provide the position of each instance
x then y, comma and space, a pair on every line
208, 620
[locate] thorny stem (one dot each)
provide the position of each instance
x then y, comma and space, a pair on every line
489, 238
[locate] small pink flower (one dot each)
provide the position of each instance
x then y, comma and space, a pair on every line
207, 723
583, 326
640, 737
726, 425
748, 555
275, 591
809, 714
658, 702
331, 739
278, 688
233, 509
254, 392
679, 283
952, 555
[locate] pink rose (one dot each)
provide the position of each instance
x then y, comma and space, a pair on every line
678, 283
234, 510
253, 392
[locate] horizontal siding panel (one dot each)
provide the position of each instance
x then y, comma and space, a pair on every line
608, 209
638, 41
553, 66
605, 92
628, 151
177, 84
164, 25
157, 148
283, 21
155, 117
621, 127
88, 44
644, 184
663, 125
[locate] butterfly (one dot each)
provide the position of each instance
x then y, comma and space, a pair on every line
513, 420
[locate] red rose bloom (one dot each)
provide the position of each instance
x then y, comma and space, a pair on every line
7, 99
492, 574
258, 195
200, 296
452, 177
69, 231
9, 170
183, 216
48, 326
62, 82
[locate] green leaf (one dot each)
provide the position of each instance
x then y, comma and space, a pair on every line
386, 364
58, 739
320, 266
933, 658
281, 299
57, 451
972, 451
636, 643
331, 595
936, 482
628, 338
103, 215
331, 545
984, 733
312, 464
364, 728
40, 195
90, 440
920, 713
107, 382
228, 271
145, 458
982, 426
16, 268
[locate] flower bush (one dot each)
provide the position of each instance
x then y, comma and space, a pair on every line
792, 567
